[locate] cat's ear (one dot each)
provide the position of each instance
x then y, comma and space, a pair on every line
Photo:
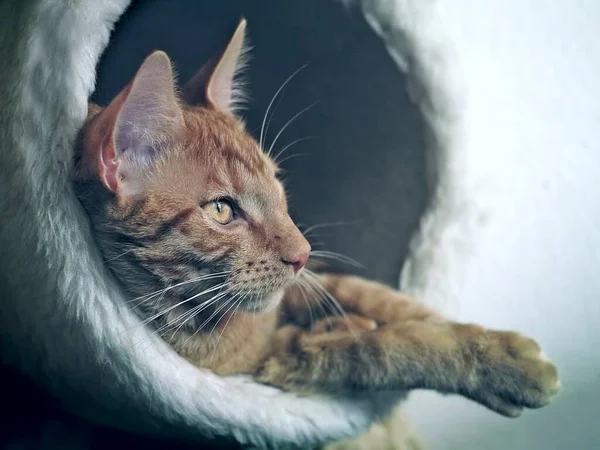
136, 125
215, 85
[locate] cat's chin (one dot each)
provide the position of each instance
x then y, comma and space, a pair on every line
263, 305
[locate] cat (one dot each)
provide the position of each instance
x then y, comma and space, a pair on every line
192, 220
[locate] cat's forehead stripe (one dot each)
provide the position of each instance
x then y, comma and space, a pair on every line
212, 132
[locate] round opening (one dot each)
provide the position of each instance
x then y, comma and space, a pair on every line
356, 174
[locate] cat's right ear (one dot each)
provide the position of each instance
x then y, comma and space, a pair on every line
215, 85
128, 135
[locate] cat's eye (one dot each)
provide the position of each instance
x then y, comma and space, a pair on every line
219, 210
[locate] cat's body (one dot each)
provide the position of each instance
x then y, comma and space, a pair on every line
193, 221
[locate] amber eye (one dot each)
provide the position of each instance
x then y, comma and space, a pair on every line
220, 210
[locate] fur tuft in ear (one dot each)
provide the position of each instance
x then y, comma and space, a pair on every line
217, 84
129, 134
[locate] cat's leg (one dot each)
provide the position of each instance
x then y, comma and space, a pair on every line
356, 296
411, 348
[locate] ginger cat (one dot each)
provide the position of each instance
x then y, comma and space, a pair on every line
192, 220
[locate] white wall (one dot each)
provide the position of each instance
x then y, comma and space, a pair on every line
531, 71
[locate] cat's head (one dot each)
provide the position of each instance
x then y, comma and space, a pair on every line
182, 197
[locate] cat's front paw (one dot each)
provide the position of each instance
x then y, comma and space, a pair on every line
511, 373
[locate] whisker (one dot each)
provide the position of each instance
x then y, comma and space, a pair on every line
170, 308
321, 299
234, 299
260, 141
292, 156
193, 312
229, 300
289, 145
212, 301
118, 256
287, 124
193, 280
156, 302
337, 257
196, 312
318, 283
304, 291
272, 116
328, 224
236, 305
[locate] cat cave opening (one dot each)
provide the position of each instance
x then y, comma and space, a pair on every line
351, 142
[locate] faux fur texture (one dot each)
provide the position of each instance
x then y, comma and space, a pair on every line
63, 321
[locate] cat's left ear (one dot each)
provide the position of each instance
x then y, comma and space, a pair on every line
125, 140
215, 85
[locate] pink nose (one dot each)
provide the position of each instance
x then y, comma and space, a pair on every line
298, 262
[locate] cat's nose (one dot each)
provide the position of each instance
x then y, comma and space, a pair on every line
298, 261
